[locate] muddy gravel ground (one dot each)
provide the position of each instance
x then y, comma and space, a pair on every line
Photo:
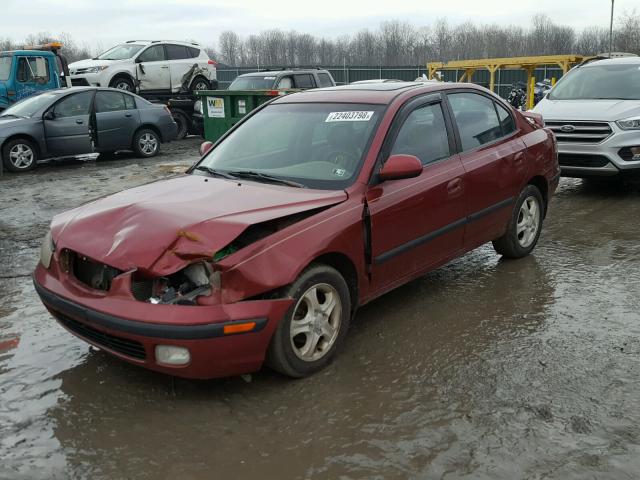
484, 368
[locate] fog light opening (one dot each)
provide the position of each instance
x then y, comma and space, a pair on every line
635, 152
172, 355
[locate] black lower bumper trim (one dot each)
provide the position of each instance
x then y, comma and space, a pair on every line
155, 330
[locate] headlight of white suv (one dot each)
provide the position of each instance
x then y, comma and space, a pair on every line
632, 123
96, 69
46, 250
197, 107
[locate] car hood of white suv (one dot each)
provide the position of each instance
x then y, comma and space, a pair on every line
602, 110
87, 63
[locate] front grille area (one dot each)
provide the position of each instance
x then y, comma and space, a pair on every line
79, 82
579, 132
130, 348
573, 160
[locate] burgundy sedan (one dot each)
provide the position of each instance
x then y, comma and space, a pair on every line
315, 204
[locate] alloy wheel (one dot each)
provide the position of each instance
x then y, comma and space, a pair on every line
528, 221
148, 143
316, 322
21, 156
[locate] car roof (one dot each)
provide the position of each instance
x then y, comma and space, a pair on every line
628, 60
372, 93
26, 53
149, 42
273, 73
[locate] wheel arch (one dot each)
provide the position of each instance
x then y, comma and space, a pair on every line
541, 184
149, 126
345, 267
26, 136
123, 73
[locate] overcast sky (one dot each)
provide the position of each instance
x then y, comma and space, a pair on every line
109, 22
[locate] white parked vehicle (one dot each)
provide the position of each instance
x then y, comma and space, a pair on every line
148, 67
594, 112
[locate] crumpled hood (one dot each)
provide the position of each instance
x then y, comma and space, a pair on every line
162, 226
597, 110
9, 121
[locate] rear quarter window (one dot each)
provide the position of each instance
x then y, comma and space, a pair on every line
325, 80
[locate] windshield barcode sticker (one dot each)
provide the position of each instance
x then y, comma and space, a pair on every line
349, 117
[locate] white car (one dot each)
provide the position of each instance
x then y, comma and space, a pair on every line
148, 67
594, 112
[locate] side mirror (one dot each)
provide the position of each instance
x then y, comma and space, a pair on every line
49, 115
400, 166
138, 60
205, 147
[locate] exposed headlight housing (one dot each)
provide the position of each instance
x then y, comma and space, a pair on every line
46, 250
197, 107
632, 123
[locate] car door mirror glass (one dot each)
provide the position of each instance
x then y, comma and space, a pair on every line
50, 115
400, 166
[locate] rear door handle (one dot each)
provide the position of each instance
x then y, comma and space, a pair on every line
127, 115
165, 66
79, 122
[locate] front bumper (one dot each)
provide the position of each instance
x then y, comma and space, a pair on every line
87, 80
131, 329
600, 159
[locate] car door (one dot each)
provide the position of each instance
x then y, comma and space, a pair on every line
116, 120
153, 70
493, 156
67, 125
179, 64
33, 74
416, 223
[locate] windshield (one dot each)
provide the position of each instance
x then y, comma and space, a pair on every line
121, 52
316, 145
615, 82
29, 106
252, 83
5, 68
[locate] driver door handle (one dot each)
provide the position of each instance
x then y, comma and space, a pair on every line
79, 122
127, 115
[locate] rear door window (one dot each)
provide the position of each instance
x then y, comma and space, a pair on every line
424, 135
304, 81
177, 52
129, 102
109, 102
325, 80
152, 54
476, 118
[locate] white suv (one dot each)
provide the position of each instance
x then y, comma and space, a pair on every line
594, 112
148, 67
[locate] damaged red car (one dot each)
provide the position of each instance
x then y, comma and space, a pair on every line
313, 205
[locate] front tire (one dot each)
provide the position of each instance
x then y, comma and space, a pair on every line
524, 226
146, 143
122, 83
313, 329
19, 155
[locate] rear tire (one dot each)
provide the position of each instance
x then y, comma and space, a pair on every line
200, 83
19, 155
312, 330
183, 124
146, 143
524, 226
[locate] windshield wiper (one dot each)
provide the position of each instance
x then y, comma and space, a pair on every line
11, 115
265, 177
215, 173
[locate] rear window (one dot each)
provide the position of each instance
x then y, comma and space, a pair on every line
177, 52
325, 80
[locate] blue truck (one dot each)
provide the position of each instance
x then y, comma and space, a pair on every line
35, 69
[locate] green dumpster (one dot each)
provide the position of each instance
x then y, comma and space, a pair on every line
221, 109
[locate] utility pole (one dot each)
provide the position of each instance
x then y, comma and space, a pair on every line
611, 31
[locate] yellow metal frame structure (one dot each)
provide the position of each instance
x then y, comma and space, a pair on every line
565, 62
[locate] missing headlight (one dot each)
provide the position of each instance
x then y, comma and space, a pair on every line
180, 288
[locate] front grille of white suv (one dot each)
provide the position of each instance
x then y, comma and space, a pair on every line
579, 132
